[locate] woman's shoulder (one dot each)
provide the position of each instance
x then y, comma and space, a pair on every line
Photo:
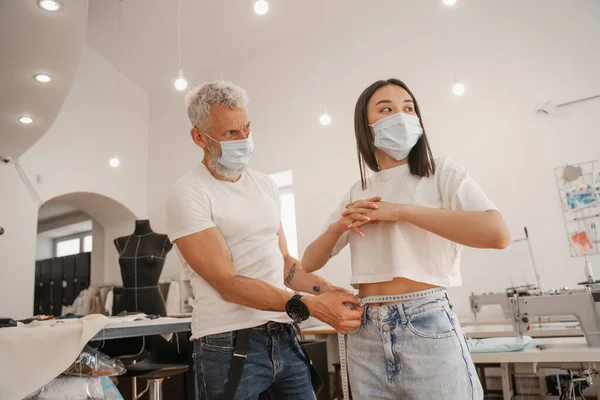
445, 164
447, 167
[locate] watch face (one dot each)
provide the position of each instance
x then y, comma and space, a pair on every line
297, 310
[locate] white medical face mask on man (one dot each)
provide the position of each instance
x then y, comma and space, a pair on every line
235, 154
397, 134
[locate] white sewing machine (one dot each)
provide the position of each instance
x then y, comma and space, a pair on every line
503, 298
499, 298
583, 303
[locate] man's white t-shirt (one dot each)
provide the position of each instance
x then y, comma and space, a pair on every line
247, 213
399, 249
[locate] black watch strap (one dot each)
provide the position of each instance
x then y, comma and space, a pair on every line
296, 309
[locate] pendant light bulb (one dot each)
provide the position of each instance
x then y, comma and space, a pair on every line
114, 161
458, 89
261, 7
325, 119
180, 83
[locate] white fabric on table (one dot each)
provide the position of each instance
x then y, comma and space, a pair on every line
81, 305
499, 344
33, 355
173, 304
110, 299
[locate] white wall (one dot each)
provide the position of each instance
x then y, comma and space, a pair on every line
44, 248
512, 55
97, 119
97, 256
18, 217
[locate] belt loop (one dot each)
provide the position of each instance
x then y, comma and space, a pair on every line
402, 313
449, 302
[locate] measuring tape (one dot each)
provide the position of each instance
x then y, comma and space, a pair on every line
373, 300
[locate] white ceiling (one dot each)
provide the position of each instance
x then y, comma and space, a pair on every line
101, 209
68, 230
216, 33
53, 209
34, 41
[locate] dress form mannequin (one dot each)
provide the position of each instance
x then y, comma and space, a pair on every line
142, 257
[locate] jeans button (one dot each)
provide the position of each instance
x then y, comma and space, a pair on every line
387, 327
384, 312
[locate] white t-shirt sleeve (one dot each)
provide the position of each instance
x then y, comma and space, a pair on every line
459, 191
189, 211
274, 191
333, 217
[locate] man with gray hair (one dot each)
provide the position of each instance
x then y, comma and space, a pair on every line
225, 221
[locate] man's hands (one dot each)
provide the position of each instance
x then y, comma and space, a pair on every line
332, 309
329, 288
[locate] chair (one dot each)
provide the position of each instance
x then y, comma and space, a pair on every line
154, 373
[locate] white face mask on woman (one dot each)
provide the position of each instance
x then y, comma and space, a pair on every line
397, 134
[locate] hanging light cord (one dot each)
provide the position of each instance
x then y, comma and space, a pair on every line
179, 35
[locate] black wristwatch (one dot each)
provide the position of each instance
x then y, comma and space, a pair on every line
296, 309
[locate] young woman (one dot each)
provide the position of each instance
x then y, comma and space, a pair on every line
406, 225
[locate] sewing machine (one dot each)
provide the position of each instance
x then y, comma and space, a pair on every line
583, 303
503, 298
500, 298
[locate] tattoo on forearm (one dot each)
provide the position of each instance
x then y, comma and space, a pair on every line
290, 275
317, 289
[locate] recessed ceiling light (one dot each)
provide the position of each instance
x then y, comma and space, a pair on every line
49, 5
25, 120
261, 7
43, 78
449, 2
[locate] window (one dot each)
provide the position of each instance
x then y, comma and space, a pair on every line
284, 182
68, 247
73, 244
87, 244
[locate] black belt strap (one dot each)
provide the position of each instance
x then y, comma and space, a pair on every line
239, 358
316, 381
237, 366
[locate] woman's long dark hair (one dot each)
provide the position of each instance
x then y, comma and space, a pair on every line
420, 158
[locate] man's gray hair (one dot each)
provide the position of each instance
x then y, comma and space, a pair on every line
219, 93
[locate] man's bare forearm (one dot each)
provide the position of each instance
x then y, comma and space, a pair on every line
254, 293
296, 278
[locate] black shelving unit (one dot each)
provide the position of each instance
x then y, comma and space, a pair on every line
58, 282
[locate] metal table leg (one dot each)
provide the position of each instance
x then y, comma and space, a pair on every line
507, 390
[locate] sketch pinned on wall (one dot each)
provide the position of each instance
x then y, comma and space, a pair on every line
582, 197
579, 190
582, 242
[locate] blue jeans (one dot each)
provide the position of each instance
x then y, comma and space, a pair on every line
274, 369
414, 350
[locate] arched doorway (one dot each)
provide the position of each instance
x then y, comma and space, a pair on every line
74, 247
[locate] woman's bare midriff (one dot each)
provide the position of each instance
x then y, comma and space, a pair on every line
395, 286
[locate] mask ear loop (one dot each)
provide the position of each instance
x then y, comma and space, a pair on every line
207, 146
373, 142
